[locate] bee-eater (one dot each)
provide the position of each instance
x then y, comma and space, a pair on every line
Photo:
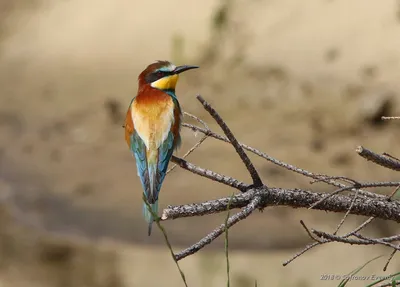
152, 128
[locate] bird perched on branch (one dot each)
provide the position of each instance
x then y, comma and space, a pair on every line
152, 128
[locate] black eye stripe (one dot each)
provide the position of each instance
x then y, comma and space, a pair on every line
152, 77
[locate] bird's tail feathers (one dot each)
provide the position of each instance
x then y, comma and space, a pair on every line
153, 182
148, 215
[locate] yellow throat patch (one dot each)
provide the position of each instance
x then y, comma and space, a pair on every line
166, 83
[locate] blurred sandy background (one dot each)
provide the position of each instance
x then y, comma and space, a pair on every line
304, 81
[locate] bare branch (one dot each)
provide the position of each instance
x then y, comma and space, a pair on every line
363, 225
209, 207
219, 230
318, 241
257, 195
316, 176
309, 233
378, 159
329, 195
250, 167
361, 241
210, 174
296, 198
304, 250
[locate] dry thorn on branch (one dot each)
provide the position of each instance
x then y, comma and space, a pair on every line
378, 159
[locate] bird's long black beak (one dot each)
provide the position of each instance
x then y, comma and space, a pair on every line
183, 68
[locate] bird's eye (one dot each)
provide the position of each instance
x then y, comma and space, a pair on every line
159, 74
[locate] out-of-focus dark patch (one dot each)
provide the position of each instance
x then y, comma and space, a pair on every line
60, 126
369, 72
113, 109
332, 55
316, 124
11, 121
353, 91
307, 89
48, 93
243, 279
242, 103
341, 159
57, 127
272, 170
385, 109
276, 73
84, 189
55, 155
28, 148
10, 8
55, 253
266, 103
398, 11
317, 145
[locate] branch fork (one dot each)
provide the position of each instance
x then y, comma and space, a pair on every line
350, 197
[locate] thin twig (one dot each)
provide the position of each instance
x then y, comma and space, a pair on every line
210, 174
157, 221
390, 118
361, 226
246, 160
197, 119
304, 250
309, 232
330, 195
347, 213
318, 241
361, 241
227, 243
193, 148
389, 259
357, 187
342, 178
277, 162
394, 192
219, 230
